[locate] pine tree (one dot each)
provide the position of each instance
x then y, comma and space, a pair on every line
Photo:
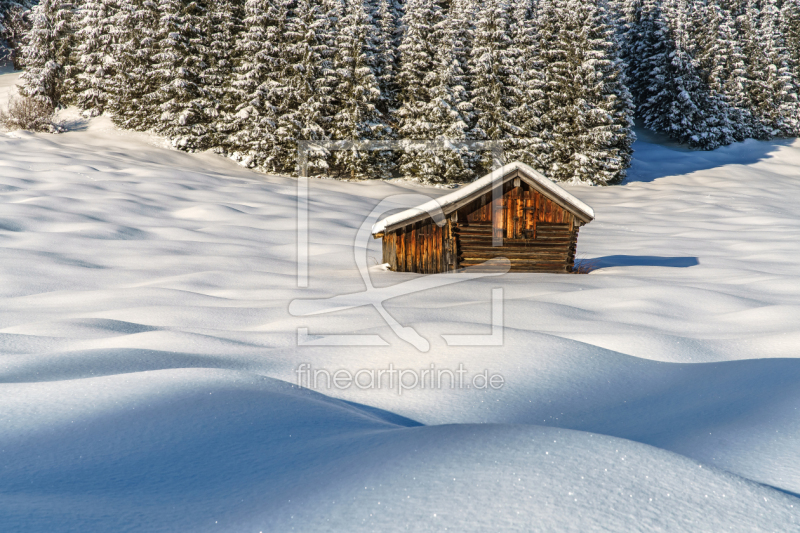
326, 84
416, 65
645, 50
95, 49
529, 84
769, 92
716, 57
434, 103
492, 67
696, 116
15, 23
727, 73
669, 93
356, 93
789, 26
386, 37
790, 30
47, 54
449, 110
306, 114
259, 86
221, 25
461, 16
131, 84
588, 112
180, 97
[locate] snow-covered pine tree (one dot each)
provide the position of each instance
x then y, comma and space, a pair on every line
180, 98
450, 110
529, 83
47, 54
434, 104
386, 16
221, 25
492, 68
96, 35
461, 15
356, 94
417, 60
645, 50
305, 115
259, 85
132, 82
386, 42
702, 27
790, 30
725, 71
669, 93
588, 113
696, 115
718, 61
769, 93
15, 23
330, 14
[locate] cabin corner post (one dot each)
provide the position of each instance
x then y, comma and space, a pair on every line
400, 251
386, 249
393, 245
454, 242
573, 243
497, 217
497, 209
450, 244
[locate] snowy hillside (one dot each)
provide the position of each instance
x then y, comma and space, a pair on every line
148, 357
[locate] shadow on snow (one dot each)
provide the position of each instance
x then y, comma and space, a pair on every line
655, 156
642, 260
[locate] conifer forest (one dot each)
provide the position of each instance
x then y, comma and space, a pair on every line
560, 83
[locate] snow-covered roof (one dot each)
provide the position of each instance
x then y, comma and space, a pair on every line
451, 202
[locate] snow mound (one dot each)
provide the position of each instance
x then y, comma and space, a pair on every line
237, 452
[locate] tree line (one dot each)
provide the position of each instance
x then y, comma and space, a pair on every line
557, 82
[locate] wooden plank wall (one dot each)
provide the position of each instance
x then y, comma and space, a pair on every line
521, 210
538, 236
419, 247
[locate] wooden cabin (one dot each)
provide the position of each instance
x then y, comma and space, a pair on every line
534, 224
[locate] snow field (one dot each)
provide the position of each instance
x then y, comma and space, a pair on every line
147, 352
